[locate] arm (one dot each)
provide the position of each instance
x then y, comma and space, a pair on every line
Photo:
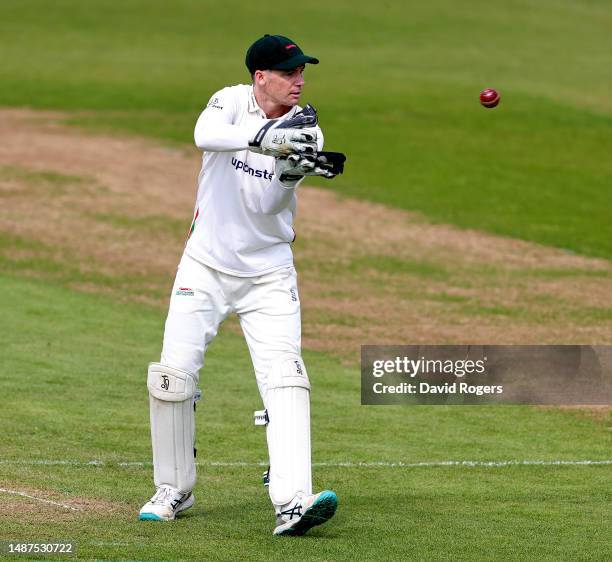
278, 195
215, 131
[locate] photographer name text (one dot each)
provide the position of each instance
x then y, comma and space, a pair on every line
446, 388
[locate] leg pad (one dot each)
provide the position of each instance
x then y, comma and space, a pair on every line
287, 402
172, 395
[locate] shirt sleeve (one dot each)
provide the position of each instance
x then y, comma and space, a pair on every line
215, 130
320, 139
276, 196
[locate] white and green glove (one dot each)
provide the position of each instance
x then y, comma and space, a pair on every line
298, 134
291, 169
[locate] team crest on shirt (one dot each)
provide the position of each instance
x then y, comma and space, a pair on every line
185, 292
215, 103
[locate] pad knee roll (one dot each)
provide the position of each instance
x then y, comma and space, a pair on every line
171, 397
287, 401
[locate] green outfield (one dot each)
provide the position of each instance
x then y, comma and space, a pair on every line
86, 263
397, 90
94, 408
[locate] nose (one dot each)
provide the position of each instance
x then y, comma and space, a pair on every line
300, 80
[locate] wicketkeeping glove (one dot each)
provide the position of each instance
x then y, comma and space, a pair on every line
293, 168
283, 137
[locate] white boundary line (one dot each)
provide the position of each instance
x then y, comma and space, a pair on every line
348, 464
400, 464
23, 494
493, 464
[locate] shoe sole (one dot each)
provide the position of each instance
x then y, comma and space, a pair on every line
151, 517
319, 512
148, 516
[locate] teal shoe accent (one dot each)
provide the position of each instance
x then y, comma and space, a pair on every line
319, 512
150, 517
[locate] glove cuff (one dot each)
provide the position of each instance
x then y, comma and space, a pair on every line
255, 142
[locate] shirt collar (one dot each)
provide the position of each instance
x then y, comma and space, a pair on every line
254, 107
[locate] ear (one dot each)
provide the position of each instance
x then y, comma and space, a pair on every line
259, 77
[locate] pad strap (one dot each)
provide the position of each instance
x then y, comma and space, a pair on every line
260, 417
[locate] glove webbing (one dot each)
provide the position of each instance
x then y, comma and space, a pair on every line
333, 162
330, 161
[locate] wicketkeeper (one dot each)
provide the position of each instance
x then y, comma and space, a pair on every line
258, 145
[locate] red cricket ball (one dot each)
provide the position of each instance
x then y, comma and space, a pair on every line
489, 97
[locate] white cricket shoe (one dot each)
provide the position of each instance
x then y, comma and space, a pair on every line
304, 512
165, 504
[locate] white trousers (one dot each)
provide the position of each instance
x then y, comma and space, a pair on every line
268, 307
269, 310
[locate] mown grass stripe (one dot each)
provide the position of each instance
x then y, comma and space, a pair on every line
347, 464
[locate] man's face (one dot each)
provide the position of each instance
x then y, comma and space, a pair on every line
283, 87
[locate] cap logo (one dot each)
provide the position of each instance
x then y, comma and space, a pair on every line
290, 46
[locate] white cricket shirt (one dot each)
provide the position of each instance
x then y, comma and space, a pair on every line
235, 230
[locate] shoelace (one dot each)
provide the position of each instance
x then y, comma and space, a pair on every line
161, 495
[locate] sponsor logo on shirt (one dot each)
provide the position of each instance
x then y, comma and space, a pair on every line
215, 103
240, 165
185, 291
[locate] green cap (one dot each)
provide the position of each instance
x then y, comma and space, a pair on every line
275, 52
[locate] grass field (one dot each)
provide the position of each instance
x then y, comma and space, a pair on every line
397, 90
94, 408
85, 269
